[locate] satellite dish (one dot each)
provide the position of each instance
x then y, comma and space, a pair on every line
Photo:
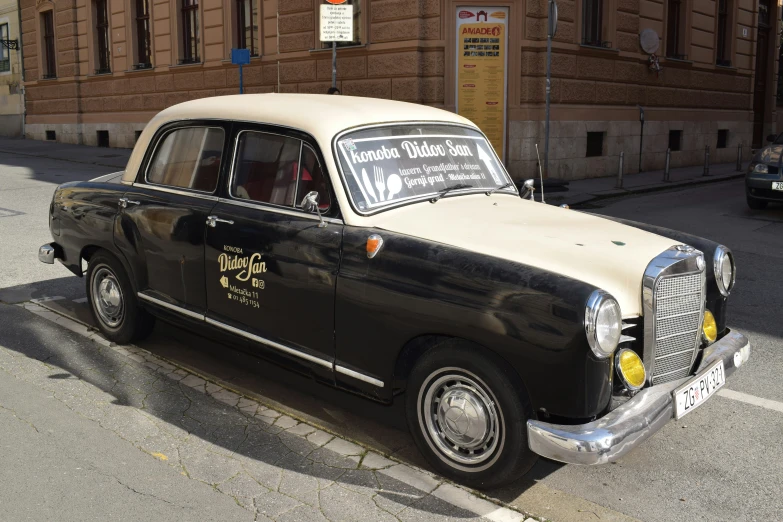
649, 41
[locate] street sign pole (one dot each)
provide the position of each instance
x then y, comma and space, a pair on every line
334, 64
550, 32
241, 81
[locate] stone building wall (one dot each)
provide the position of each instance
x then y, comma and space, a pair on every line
408, 54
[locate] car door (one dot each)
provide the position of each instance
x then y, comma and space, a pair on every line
271, 266
164, 214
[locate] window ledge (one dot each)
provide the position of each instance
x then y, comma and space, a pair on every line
678, 60
726, 67
183, 65
146, 69
598, 48
329, 49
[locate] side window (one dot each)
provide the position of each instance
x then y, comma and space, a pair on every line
188, 158
266, 168
312, 178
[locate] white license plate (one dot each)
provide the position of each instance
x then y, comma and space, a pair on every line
693, 394
777, 185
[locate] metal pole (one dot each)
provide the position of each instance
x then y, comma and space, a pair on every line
739, 157
241, 81
666, 167
334, 64
707, 160
641, 143
620, 171
548, 84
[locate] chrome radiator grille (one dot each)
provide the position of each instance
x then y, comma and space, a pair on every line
678, 302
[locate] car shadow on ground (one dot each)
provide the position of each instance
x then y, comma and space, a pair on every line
203, 426
378, 426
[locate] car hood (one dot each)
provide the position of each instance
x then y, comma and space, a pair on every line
588, 248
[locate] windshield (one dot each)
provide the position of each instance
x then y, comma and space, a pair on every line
386, 166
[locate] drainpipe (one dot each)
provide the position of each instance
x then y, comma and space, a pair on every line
22, 89
641, 136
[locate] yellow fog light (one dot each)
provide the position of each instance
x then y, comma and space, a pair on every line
709, 330
630, 369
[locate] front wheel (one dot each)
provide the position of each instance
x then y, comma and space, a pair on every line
113, 302
468, 416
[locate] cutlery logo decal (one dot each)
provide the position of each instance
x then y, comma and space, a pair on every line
392, 183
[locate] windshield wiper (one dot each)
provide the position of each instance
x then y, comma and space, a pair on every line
492, 191
449, 189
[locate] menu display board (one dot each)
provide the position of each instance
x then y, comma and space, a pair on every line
482, 43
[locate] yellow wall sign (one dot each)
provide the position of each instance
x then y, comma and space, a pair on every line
482, 42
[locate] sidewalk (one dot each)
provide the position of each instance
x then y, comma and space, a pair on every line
108, 157
585, 190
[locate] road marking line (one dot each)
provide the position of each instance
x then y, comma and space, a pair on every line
751, 399
80, 301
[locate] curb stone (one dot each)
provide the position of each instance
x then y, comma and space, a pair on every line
368, 459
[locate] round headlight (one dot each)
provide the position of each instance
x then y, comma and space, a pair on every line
723, 266
603, 323
630, 369
709, 329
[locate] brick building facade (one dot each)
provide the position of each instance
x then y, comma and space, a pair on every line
97, 70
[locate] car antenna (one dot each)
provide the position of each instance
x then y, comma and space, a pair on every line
540, 174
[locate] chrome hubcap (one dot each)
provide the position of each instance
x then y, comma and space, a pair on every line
107, 297
461, 419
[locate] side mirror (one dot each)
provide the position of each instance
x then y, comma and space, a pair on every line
310, 204
528, 188
771, 138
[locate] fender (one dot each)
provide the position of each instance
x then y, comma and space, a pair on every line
531, 318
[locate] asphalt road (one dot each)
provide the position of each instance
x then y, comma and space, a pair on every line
722, 462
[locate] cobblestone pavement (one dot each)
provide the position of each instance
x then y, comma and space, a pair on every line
270, 464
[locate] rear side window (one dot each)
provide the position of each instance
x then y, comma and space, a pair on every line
188, 158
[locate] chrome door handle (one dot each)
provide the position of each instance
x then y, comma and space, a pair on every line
212, 221
124, 202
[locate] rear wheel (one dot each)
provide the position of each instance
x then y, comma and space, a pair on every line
113, 302
468, 416
757, 204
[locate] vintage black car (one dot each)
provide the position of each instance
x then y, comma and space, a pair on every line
764, 179
382, 247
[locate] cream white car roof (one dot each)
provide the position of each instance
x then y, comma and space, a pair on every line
320, 115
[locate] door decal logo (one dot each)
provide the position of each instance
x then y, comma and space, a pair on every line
243, 268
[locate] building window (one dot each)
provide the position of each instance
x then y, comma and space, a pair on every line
49, 64
675, 32
190, 35
675, 137
593, 23
723, 138
143, 47
357, 25
51, 135
102, 35
724, 35
103, 138
247, 25
595, 144
5, 57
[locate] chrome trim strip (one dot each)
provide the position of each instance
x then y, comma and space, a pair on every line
276, 210
621, 430
160, 188
357, 375
175, 308
283, 348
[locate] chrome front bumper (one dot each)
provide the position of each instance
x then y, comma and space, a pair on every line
622, 429
48, 253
